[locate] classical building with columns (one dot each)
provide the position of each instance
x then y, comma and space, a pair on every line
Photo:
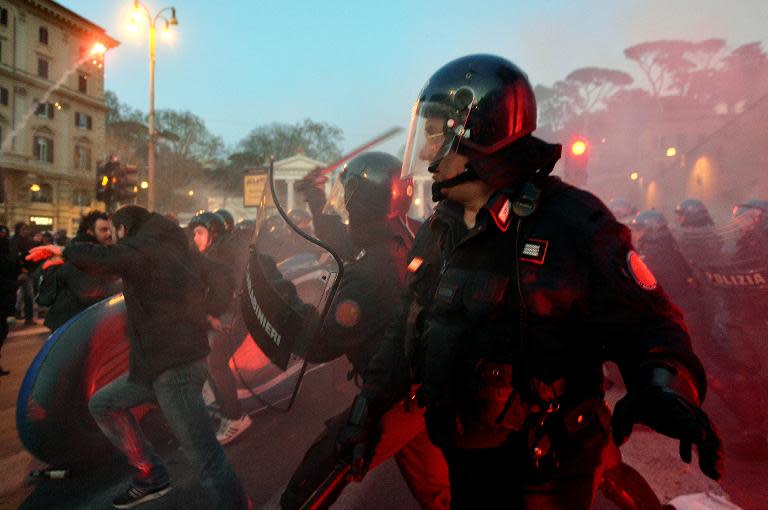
52, 113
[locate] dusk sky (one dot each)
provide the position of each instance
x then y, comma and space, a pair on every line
359, 65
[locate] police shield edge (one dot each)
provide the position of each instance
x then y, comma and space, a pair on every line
290, 279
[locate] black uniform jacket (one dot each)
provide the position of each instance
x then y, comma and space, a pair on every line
583, 297
168, 288
67, 290
367, 299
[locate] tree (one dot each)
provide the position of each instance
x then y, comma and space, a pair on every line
582, 92
676, 67
317, 140
661, 61
745, 74
591, 86
186, 135
120, 112
554, 105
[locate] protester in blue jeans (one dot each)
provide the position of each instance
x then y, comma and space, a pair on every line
168, 291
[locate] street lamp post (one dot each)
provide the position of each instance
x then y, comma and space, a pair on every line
142, 11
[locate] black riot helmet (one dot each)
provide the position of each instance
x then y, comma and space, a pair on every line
650, 226
760, 205
693, 213
622, 208
752, 216
210, 221
370, 188
229, 220
483, 107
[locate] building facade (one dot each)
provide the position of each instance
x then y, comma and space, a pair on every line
52, 113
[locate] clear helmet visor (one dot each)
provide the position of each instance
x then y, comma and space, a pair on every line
434, 130
337, 200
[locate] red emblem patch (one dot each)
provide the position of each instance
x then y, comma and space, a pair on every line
640, 272
348, 313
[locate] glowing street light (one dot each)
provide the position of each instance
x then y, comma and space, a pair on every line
144, 185
634, 176
34, 188
98, 49
140, 13
578, 147
671, 152
191, 193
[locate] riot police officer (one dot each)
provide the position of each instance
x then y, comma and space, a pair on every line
536, 285
228, 331
659, 250
622, 209
371, 198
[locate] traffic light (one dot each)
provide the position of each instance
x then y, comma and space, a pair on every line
126, 182
576, 159
104, 182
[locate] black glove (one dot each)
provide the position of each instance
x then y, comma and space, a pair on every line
670, 413
312, 186
357, 439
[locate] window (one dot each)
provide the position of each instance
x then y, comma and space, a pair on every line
42, 148
41, 193
42, 68
3, 16
82, 83
42, 35
45, 110
3, 96
82, 157
81, 197
83, 121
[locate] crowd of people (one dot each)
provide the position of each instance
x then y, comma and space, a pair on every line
716, 275
478, 337
19, 278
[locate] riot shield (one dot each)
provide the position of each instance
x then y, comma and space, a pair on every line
290, 280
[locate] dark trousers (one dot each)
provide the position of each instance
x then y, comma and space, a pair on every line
223, 345
403, 435
505, 477
178, 393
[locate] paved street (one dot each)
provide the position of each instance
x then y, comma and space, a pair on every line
267, 454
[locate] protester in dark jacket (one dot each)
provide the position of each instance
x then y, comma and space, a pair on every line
20, 244
67, 290
8, 274
166, 288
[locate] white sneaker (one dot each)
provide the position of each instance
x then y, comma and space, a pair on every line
230, 429
208, 396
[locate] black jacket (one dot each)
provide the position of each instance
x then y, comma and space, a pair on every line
67, 290
9, 271
584, 304
169, 289
368, 295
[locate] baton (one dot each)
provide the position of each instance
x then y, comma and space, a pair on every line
329, 485
384, 136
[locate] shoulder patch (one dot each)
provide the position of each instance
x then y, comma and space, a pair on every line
347, 313
534, 250
640, 272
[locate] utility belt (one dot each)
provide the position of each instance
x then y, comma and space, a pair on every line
499, 414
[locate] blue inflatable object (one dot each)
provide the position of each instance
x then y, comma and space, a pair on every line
84, 354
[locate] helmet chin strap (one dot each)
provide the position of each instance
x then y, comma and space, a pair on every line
467, 175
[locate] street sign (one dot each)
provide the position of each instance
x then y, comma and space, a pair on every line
253, 189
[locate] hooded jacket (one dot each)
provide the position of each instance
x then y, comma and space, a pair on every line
167, 288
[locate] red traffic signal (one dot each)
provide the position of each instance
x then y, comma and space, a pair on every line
579, 147
576, 159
